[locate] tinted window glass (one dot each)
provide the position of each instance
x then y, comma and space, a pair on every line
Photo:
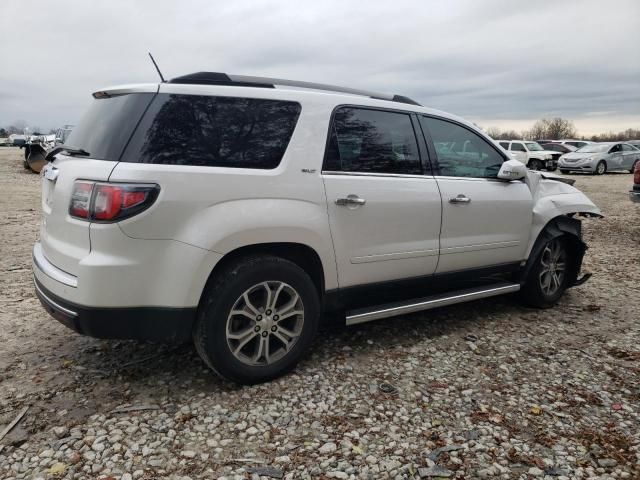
214, 131
505, 145
461, 152
628, 148
107, 126
518, 147
376, 141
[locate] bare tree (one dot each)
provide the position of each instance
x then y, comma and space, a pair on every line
628, 134
538, 131
494, 132
558, 128
17, 126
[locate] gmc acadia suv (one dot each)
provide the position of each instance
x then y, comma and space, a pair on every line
237, 210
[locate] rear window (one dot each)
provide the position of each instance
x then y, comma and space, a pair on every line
107, 126
214, 131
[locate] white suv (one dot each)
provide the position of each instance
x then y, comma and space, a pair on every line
531, 154
236, 210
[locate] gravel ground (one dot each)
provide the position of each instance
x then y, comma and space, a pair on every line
487, 389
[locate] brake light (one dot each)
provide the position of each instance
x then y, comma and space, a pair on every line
109, 202
80, 199
636, 174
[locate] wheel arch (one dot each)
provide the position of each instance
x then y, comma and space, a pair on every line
302, 255
560, 226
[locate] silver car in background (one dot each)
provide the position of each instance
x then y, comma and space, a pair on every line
599, 158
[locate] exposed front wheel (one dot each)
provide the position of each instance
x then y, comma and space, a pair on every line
601, 168
535, 164
548, 278
257, 319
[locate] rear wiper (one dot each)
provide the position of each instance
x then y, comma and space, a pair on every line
65, 148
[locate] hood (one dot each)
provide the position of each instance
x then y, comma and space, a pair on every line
578, 155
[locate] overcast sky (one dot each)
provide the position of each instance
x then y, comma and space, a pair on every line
501, 63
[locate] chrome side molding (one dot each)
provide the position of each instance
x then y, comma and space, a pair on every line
441, 300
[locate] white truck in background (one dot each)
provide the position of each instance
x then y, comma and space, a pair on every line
531, 154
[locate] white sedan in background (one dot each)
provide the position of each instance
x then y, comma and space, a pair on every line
598, 158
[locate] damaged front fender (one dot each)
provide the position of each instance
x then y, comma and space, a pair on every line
552, 199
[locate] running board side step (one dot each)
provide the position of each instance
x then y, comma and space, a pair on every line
369, 314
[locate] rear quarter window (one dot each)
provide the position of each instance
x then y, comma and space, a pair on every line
108, 124
214, 131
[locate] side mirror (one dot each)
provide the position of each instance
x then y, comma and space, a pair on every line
512, 170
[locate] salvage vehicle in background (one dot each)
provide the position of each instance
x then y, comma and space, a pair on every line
37, 147
35, 151
634, 193
599, 158
235, 210
559, 149
573, 143
531, 154
17, 140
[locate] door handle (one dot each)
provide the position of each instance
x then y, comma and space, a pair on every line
460, 199
351, 201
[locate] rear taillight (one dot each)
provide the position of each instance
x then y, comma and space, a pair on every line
636, 174
80, 199
110, 202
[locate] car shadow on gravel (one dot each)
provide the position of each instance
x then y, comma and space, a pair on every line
164, 371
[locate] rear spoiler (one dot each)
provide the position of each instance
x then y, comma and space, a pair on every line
125, 89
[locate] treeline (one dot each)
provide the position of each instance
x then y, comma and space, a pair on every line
19, 127
558, 128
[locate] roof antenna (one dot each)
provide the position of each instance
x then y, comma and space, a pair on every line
157, 69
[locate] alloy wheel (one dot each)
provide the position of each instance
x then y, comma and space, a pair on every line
554, 264
265, 323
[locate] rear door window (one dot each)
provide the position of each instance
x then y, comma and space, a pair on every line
518, 147
214, 131
108, 124
372, 141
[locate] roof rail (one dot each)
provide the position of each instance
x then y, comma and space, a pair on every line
217, 78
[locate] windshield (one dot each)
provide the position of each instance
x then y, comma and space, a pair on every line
594, 148
107, 126
534, 147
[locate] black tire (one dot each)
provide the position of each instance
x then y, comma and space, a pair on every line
535, 164
601, 168
533, 292
564, 172
222, 295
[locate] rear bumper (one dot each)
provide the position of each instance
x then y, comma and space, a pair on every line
139, 323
